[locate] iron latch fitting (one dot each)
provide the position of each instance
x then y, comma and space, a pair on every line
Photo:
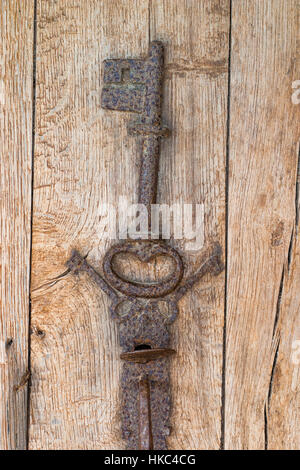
144, 310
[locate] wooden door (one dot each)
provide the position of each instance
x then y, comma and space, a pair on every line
232, 100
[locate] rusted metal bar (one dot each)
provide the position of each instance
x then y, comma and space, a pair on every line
143, 356
148, 173
145, 426
151, 123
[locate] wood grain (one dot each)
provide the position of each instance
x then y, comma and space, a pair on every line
284, 396
283, 431
264, 135
83, 158
193, 171
16, 72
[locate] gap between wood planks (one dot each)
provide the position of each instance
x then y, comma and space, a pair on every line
31, 215
285, 270
222, 440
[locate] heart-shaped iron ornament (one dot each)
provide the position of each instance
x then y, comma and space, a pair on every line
145, 250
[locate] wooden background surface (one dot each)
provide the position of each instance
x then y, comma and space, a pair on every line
230, 68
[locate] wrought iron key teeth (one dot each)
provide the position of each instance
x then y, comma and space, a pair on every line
141, 94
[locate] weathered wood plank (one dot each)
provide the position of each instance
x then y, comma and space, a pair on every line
16, 39
284, 397
83, 158
264, 131
193, 171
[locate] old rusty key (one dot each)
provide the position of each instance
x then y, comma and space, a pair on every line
144, 310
